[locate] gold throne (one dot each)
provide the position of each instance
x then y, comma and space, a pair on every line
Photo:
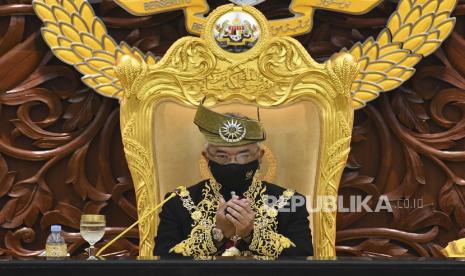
305, 107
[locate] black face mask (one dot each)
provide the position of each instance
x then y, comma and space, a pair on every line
234, 177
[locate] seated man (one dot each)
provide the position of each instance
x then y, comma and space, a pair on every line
233, 213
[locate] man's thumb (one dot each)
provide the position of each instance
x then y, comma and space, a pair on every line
222, 203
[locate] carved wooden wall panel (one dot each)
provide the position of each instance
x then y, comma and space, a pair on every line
61, 152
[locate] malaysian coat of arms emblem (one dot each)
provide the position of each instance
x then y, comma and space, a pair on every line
236, 31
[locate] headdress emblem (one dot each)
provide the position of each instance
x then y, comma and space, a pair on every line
232, 131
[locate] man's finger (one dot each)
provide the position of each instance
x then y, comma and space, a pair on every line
233, 220
245, 217
244, 204
248, 207
237, 207
222, 205
238, 216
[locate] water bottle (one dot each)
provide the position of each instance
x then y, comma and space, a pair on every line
56, 246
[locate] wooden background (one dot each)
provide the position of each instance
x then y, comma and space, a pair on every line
61, 152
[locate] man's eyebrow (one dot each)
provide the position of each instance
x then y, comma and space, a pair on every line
242, 151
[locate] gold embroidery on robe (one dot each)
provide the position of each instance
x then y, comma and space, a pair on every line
265, 240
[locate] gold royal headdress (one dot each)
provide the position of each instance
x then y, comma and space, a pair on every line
228, 131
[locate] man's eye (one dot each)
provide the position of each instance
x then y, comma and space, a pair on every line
244, 158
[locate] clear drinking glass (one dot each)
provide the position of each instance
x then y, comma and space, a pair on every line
92, 230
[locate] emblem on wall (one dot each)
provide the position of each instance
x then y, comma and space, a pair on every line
415, 30
236, 31
247, 2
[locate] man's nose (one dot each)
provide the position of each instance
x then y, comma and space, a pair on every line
232, 160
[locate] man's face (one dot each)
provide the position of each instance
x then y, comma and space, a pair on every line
228, 155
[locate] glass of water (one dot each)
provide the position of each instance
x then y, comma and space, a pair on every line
92, 230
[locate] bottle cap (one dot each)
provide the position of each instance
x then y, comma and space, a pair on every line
55, 228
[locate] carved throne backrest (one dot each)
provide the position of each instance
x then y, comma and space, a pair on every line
304, 105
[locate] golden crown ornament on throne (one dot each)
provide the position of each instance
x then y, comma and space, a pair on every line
242, 61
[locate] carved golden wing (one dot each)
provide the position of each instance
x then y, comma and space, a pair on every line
77, 37
414, 31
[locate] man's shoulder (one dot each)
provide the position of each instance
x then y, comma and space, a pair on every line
198, 187
274, 189
195, 191
297, 202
